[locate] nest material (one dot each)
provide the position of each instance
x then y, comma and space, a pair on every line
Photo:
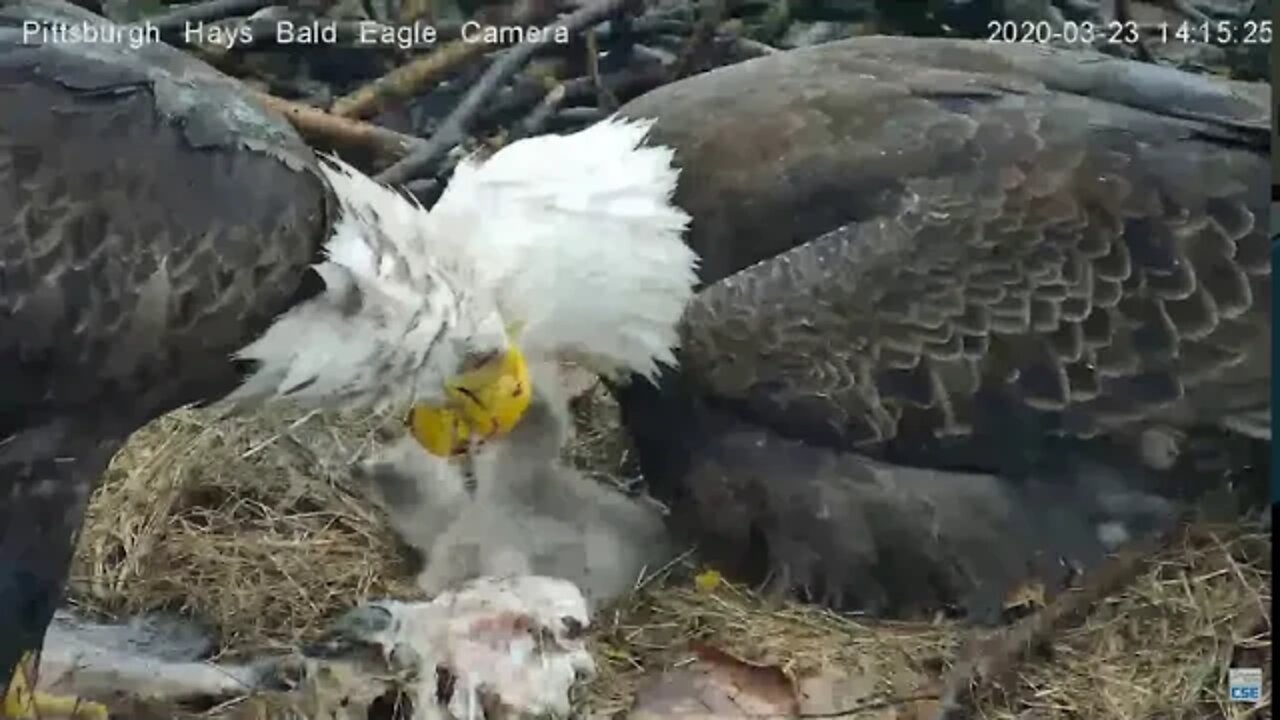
248, 525
251, 526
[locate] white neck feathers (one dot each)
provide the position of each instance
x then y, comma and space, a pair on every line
383, 330
571, 239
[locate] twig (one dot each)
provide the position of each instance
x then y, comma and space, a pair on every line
755, 48
626, 82
1259, 603
869, 705
656, 24
711, 14
533, 124
407, 80
1186, 9
205, 12
428, 189
581, 115
424, 189
648, 578
283, 433
523, 98
990, 661
453, 130
1124, 16
604, 98
314, 123
656, 55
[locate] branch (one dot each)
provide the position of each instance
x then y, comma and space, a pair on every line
537, 120
604, 98
711, 14
581, 115
1124, 15
869, 705
316, 124
453, 130
628, 82
755, 48
407, 80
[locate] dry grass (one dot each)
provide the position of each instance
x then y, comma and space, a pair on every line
654, 630
250, 526
1161, 649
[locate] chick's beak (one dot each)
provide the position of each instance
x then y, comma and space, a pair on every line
481, 403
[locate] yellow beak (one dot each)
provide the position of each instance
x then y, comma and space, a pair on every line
482, 403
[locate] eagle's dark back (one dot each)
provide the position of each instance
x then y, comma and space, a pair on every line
1083, 237
153, 220
955, 255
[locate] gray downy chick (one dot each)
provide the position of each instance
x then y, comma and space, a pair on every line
529, 513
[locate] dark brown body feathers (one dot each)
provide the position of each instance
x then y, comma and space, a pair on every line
153, 221
143, 240
943, 253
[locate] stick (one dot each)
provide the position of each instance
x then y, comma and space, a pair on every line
205, 12
407, 80
711, 14
1124, 15
755, 48
604, 98
314, 123
537, 120
454, 128
656, 24
869, 705
629, 82
424, 190
1186, 9
992, 660
656, 55
582, 115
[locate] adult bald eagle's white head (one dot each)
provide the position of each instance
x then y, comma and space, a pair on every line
557, 245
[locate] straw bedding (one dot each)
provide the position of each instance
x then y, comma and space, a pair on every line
253, 527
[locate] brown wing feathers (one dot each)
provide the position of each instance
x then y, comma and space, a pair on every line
1093, 265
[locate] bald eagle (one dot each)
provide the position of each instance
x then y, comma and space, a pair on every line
164, 241
1010, 263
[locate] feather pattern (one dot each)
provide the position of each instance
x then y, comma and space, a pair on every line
918, 244
1012, 260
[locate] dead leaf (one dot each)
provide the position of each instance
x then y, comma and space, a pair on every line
1030, 594
716, 686
1023, 600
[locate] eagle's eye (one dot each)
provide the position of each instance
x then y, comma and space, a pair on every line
478, 359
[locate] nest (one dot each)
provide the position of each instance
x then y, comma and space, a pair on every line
248, 525
1160, 649
252, 527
